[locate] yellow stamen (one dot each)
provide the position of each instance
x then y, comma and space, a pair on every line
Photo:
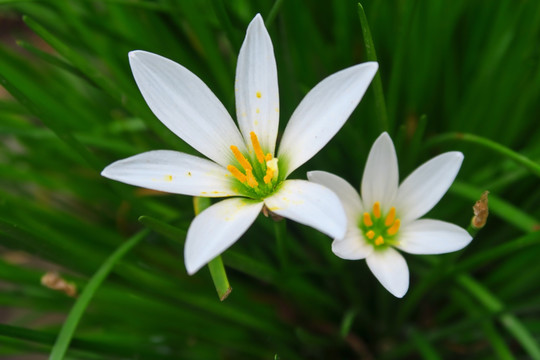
379, 240
390, 217
237, 173
241, 159
394, 229
268, 157
269, 175
258, 94
257, 147
251, 179
370, 234
377, 210
367, 219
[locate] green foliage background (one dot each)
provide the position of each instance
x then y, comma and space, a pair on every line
456, 75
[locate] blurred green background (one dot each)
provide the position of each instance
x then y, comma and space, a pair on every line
456, 75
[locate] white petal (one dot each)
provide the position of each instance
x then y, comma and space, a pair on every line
352, 246
309, 204
186, 106
173, 172
390, 268
426, 236
381, 176
256, 87
421, 190
215, 229
322, 112
345, 192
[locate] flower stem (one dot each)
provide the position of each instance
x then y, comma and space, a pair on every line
217, 270
380, 104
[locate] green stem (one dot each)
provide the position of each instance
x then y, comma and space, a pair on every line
70, 325
279, 228
219, 276
380, 104
217, 270
529, 164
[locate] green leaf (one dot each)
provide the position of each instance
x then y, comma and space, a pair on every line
70, 324
380, 104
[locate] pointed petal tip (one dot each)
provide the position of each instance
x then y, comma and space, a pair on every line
104, 172
369, 67
385, 140
391, 270
400, 294
191, 268
108, 171
256, 21
458, 155
134, 54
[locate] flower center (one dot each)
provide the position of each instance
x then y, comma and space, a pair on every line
380, 231
260, 173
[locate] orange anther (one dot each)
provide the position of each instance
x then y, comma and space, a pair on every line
251, 179
367, 219
241, 159
257, 147
390, 217
237, 173
377, 210
394, 228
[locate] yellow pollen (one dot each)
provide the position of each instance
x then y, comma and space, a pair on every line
269, 175
367, 219
251, 179
236, 173
377, 209
168, 177
390, 217
257, 147
258, 94
379, 240
394, 228
370, 234
268, 157
241, 159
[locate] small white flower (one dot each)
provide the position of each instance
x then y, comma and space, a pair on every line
387, 216
242, 163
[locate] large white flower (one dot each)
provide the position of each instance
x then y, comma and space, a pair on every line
242, 163
387, 216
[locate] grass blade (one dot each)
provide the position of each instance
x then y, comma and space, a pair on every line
529, 164
380, 104
70, 325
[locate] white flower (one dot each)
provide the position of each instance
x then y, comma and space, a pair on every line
387, 216
242, 163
